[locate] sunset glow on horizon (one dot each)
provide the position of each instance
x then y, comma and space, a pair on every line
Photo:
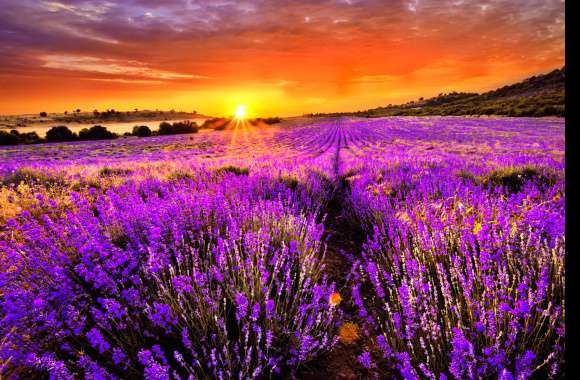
277, 58
240, 113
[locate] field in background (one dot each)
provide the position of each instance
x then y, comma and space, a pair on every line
337, 247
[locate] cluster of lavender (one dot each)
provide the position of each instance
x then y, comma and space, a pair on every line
462, 273
198, 278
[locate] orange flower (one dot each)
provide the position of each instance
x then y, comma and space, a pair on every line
348, 333
335, 299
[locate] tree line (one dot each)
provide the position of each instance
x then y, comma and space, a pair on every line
63, 133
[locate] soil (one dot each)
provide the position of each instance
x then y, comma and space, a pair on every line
344, 237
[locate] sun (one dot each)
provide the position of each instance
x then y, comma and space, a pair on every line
240, 112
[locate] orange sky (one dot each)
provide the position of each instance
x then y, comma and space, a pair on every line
277, 57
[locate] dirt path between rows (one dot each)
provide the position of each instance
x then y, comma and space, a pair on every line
344, 239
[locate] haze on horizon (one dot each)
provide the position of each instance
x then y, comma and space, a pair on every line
277, 57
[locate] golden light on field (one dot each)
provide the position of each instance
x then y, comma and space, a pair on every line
240, 113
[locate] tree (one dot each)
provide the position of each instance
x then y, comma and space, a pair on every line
43, 114
96, 132
141, 131
60, 133
15, 138
177, 128
165, 128
30, 138
8, 138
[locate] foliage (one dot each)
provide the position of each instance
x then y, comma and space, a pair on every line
187, 126
141, 131
60, 134
537, 96
233, 169
218, 123
96, 132
266, 120
14, 137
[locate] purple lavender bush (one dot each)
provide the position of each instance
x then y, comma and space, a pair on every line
466, 279
163, 280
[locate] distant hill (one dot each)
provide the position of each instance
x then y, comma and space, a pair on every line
541, 95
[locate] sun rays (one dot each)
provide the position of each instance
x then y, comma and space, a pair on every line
240, 113
240, 125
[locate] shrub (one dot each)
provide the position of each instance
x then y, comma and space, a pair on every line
233, 169
60, 134
513, 179
15, 137
141, 131
267, 120
218, 124
456, 281
30, 138
467, 302
7, 138
33, 177
108, 172
232, 289
166, 128
96, 132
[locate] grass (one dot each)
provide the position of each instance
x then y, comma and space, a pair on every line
233, 169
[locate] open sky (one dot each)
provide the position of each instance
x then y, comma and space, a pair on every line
277, 57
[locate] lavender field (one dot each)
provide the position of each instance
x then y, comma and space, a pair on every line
416, 248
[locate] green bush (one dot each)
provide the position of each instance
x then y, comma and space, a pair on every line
60, 134
141, 131
181, 127
96, 132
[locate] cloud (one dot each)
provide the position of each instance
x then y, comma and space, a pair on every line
76, 32
412, 5
279, 83
90, 11
111, 66
125, 81
381, 78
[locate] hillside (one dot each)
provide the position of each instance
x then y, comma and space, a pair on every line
542, 95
